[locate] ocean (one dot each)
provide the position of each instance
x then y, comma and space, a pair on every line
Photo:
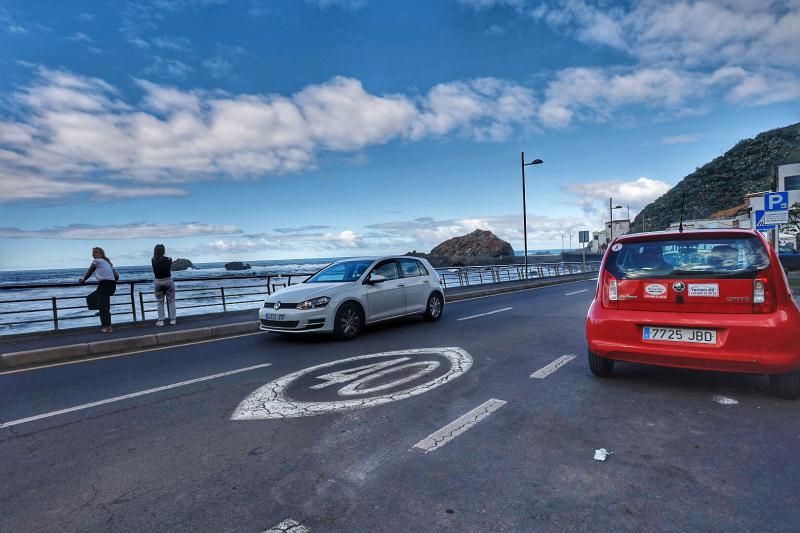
30, 309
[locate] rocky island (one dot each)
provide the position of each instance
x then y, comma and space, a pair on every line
181, 264
481, 247
237, 265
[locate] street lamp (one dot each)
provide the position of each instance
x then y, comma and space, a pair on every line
524, 207
611, 220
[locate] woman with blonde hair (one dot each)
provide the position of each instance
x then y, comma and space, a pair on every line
107, 277
163, 284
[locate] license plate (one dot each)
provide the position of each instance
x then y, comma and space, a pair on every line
700, 336
273, 316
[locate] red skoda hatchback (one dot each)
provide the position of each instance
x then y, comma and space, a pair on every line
704, 299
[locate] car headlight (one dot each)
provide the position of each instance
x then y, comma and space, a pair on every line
315, 303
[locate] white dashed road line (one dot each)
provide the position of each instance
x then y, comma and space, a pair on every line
576, 292
552, 367
127, 396
486, 314
288, 526
458, 426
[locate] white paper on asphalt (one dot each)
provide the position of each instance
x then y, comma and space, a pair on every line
272, 401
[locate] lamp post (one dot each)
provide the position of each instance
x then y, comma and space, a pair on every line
611, 220
524, 206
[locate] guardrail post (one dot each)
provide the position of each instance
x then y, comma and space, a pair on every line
133, 304
141, 304
224, 305
269, 291
55, 312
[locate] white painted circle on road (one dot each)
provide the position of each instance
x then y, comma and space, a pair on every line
408, 366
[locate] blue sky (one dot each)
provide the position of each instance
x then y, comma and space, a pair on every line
247, 130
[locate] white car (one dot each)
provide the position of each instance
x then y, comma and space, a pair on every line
345, 296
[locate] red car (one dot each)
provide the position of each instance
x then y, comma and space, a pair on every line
703, 299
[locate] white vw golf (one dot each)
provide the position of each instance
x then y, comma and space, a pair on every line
346, 295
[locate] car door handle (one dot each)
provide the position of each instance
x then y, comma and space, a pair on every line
400, 285
427, 282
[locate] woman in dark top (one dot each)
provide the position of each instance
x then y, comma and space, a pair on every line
107, 277
163, 284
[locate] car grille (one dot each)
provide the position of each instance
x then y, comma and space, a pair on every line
282, 324
284, 305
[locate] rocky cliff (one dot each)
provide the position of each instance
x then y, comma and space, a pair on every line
721, 184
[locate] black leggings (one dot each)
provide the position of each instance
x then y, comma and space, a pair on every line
105, 289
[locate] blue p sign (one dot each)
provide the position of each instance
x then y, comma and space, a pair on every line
776, 201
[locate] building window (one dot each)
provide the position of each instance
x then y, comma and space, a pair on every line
791, 183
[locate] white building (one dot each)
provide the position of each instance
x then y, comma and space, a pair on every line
600, 239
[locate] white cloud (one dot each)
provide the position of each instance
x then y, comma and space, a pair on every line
77, 129
138, 230
594, 197
482, 5
423, 234
343, 4
691, 32
80, 37
594, 93
77, 135
686, 138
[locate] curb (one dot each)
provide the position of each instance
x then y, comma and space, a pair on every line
25, 358
105, 347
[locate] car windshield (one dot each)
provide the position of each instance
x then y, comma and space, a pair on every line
688, 258
341, 272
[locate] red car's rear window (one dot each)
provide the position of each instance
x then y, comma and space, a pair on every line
696, 257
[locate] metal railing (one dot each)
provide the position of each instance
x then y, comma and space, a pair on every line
479, 275
134, 301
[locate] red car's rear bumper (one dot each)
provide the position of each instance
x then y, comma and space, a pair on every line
758, 343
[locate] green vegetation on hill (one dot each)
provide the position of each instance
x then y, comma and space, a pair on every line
722, 183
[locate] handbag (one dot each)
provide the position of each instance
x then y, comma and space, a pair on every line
92, 301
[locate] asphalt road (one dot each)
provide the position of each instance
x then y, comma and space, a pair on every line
691, 450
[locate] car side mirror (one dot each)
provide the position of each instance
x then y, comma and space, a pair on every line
375, 278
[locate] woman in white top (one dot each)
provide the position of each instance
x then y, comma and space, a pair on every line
107, 278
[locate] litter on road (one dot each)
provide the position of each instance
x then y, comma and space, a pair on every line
601, 454
725, 401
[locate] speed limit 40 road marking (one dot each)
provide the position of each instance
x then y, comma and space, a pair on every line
355, 383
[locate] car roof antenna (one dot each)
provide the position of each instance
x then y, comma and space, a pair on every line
683, 203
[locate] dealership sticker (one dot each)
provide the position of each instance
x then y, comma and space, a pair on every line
655, 290
616, 248
704, 289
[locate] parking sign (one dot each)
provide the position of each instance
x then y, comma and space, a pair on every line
776, 201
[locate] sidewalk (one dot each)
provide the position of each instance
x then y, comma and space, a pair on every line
40, 348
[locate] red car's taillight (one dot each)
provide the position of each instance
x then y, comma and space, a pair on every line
609, 291
763, 296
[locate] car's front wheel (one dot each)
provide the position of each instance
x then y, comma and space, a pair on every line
349, 321
785, 385
600, 366
435, 307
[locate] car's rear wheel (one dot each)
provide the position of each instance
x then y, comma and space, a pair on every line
600, 366
785, 385
349, 321
435, 307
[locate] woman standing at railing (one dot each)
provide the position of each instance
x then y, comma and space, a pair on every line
107, 278
163, 284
